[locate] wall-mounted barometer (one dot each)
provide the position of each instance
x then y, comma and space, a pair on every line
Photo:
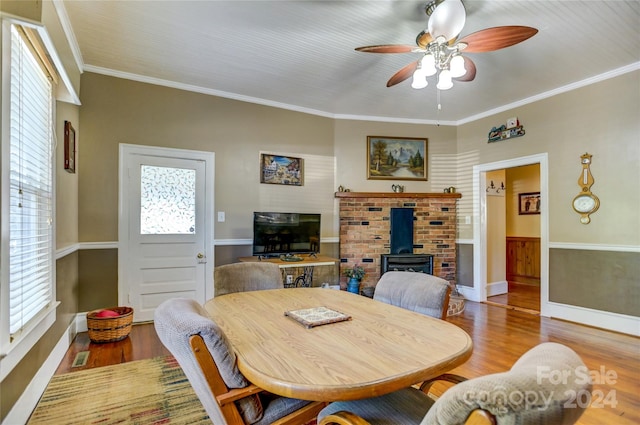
585, 203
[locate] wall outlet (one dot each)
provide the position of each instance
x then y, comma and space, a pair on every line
221, 217
289, 278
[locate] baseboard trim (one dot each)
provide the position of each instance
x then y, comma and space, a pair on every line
21, 410
596, 318
81, 322
497, 288
468, 292
615, 322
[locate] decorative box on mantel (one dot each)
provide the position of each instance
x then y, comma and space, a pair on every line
365, 229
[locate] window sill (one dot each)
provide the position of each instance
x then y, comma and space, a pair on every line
32, 335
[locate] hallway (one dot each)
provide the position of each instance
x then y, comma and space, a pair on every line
521, 296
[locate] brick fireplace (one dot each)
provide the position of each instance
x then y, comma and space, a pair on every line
365, 230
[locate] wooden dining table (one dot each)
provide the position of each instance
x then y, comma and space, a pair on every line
381, 348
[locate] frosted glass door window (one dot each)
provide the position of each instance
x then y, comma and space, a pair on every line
167, 200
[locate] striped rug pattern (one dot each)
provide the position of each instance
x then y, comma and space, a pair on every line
143, 392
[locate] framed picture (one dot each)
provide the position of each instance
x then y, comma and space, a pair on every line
529, 203
396, 158
279, 169
69, 147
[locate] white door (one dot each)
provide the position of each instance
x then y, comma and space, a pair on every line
165, 227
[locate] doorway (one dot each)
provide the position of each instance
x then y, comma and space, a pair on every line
513, 238
482, 236
165, 246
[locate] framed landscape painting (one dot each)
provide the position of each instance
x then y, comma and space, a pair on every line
396, 158
279, 169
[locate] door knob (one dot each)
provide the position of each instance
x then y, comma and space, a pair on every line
200, 256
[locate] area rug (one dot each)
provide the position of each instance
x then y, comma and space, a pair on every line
143, 392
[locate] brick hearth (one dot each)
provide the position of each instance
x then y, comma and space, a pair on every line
365, 230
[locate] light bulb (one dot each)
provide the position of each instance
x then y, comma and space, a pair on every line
444, 80
447, 19
457, 66
428, 64
419, 79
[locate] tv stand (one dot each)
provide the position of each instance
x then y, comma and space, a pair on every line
306, 263
267, 256
291, 257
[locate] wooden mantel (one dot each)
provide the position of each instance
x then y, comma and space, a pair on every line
414, 195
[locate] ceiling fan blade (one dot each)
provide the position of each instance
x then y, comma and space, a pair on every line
490, 39
387, 48
471, 70
403, 74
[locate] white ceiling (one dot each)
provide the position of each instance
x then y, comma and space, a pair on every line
300, 54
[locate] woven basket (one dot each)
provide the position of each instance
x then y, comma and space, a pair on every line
110, 329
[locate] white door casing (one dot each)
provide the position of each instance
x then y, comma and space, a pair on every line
170, 254
480, 227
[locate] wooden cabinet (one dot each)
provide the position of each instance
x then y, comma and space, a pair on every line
523, 259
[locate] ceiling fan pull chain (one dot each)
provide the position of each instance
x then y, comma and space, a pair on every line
439, 107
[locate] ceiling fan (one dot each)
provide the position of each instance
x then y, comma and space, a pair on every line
443, 51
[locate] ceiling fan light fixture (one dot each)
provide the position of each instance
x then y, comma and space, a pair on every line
419, 81
441, 48
447, 19
444, 80
457, 66
428, 64
419, 78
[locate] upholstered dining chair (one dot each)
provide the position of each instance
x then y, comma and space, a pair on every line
249, 276
207, 359
540, 389
420, 292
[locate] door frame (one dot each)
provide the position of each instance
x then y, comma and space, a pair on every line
125, 150
480, 227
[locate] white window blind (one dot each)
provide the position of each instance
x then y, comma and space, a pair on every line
31, 270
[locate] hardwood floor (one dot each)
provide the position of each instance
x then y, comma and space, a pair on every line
142, 343
499, 335
520, 296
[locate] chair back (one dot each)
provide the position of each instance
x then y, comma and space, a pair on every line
420, 292
205, 355
249, 276
548, 385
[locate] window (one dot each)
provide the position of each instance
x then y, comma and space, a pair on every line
27, 196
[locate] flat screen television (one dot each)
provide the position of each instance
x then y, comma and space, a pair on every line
276, 233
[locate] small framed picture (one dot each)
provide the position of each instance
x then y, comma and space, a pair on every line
396, 158
279, 169
529, 203
69, 147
